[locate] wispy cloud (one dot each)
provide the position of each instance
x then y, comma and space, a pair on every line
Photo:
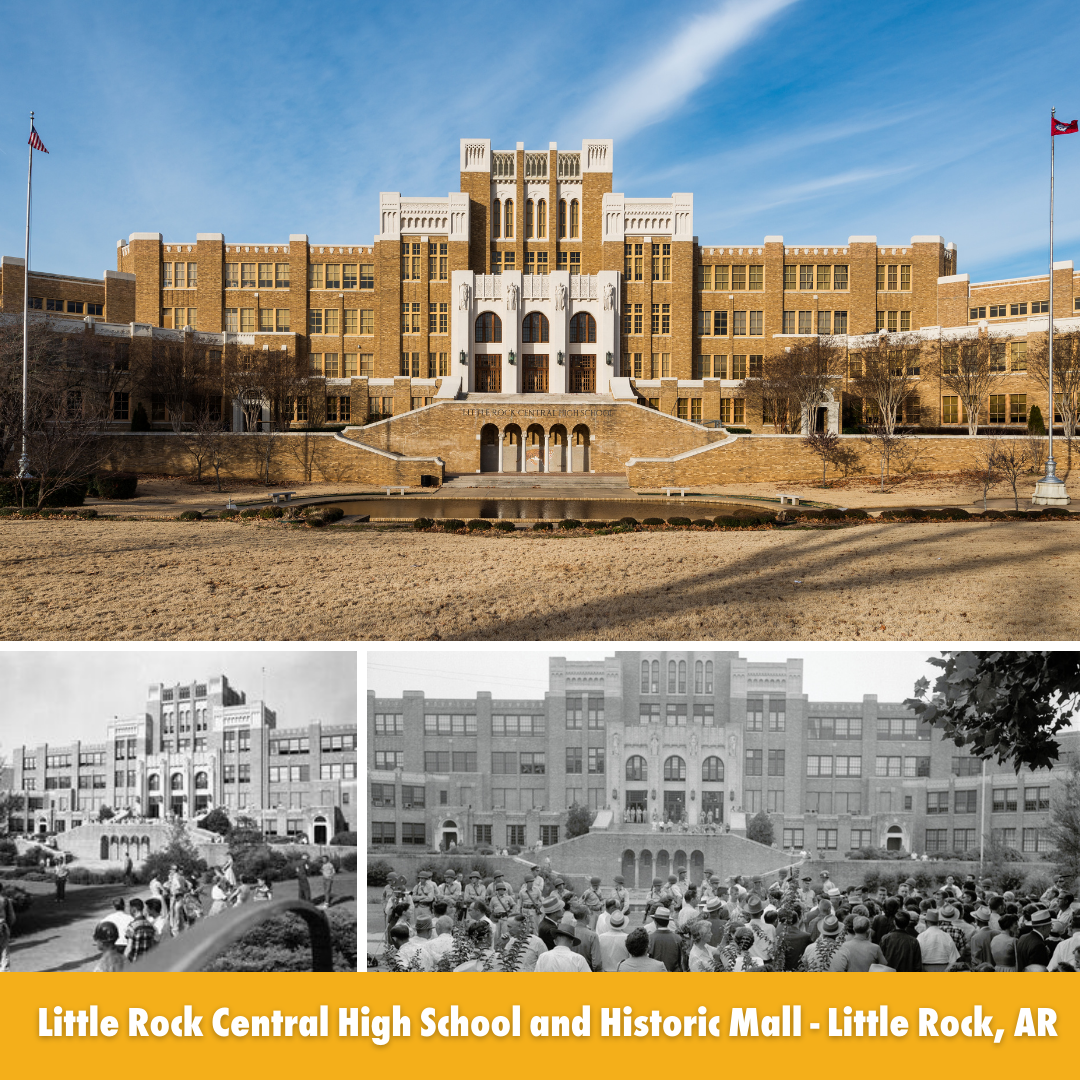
654, 91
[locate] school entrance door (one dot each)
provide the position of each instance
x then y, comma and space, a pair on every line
582, 374
488, 372
535, 374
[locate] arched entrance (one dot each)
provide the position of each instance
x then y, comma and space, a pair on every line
43, 826
319, 831
894, 838
489, 448
629, 870
697, 867
448, 835
105, 849
679, 862
663, 865
645, 871
534, 449
557, 455
579, 450
511, 449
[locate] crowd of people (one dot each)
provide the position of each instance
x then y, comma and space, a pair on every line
794, 923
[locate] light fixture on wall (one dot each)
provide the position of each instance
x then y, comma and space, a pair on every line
512, 357
610, 360
464, 358
559, 356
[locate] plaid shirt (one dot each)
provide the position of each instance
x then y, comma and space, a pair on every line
955, 932
141, 938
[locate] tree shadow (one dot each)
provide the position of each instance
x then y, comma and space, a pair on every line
71, 965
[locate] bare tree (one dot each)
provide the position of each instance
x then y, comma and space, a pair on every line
884, 374
969, 369
1013, 460
987, 470
206, 440
827, 446
180, 374
794, 382
1036, 358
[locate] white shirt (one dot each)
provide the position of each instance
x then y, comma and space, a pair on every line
435, 949
561, 958
1063, 953
612, 949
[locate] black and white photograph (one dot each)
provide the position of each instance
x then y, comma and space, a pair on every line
178, 810
677, 808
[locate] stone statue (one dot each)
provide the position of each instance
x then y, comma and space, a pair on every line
609, 296
654, 745
511, 297
693, 745
615, 743
464, 296
732, 744
560, 297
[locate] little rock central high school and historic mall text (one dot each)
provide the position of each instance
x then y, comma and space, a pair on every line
536, 283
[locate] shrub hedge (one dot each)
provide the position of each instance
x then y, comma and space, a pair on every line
114, 485
73, 493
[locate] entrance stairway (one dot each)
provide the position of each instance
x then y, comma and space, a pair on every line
570, 485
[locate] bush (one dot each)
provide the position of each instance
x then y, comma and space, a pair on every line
8, 852
569, 523
542, 526
630, 522
738, 430
114, 485
504, 526
652, 521
71, 493
250, 512
760, 828
726, 521
139, 420
226, 514
20, 898
1054, 512
703, 523
378, 872
348, 862
477, 524
316, 521
422, 523
832, 514
80, 875
856, 515
330, 514
679, 522
190, 515
217, 821
1035, 424
284, 944
915, 513
269, 513
452, 524
993, 515
344, 839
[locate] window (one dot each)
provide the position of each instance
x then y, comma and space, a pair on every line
754, 713
793, 839
676, 714
549, 834
937, 802
818, 765
438, 761
712, 770
840, 322
950, 410
774, 800
887, 766
1003, 836
847, 765
488, 328
389, 724
573, 759
965, 802
582, 328
575, 222
1036, 798
705, 714
824, 276
1004, 800
861, 838
383, 833
674, 768
1018, 408
120, 410
534, 328
826, 839
463, 761
936, 840
533, 763
414, 833
738, 323
997, 409
963, 839
840, 277
777, 714
776, 763
387, 759
753, 763
596, 761
966, 766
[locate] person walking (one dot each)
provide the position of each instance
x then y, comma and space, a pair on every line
303, 886
60, 872
328, 871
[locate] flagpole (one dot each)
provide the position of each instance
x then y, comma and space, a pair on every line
24, 460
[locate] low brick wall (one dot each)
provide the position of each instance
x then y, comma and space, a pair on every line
297, 457
786, 459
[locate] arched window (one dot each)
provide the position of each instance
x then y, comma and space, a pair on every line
496, 219
153, 782
699, 677
574, 222
582, 328
675, 768
508, 219
671, 676
562, 219
202, 781
644, 676
534, 328
177, 781
712, 770
488, 328
528, 219
637, 768
541, 219
682, 676
656, 676
708, 676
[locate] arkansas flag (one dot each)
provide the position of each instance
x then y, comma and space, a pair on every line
1060, 127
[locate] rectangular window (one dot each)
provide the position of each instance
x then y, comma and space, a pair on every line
757, 323
1036, 798
266, 275
806, 278
438, 761
367, 275
965, 802
384, 759
997, 408
533, 763
463, 761
414, 833
1004, 800
905, 278
1004, 836
738, 323
756, 278
753, 763
383, 833
793, 839
790, 276
504, 763
331, 321
806, 322
776, 763
315, 321
1018, 408
573, 759
936, 840
937, 802
596, 761
826, 839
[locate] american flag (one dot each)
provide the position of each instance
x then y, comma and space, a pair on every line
35, 140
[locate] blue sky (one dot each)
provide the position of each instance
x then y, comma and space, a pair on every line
815, 121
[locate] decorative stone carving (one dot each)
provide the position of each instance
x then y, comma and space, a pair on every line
511, 297
693, 745
609, 297
560, 297
654, 745
464, 296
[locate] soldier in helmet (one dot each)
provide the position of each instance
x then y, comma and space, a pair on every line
593, 901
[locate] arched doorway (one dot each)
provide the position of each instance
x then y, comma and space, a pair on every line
579, 451
679, 862
697, 867
534, 449
114, 848
645, 871
557, 455
448, 835
489, 448
105, 848
319, 831
629, 870
894, 838
511, 449
43, 826
663, 865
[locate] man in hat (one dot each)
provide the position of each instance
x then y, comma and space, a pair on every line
551, 909
613, 942
588, 944
653, 900
622, 895
937, 947
531, 894
717, 916
593, 901
663, 941
561, 956
1031, 948
948, 923
603, 924
424, 893
501, 902
818, 955
517, 926
416, 944
764, 934
807, 896
900, 945
858, 952
450, 890
496, 878
980, 940
795, 938
1064, 953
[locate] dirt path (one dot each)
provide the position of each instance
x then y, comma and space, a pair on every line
1008, 580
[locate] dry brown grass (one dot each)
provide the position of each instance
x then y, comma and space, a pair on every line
1009, 580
